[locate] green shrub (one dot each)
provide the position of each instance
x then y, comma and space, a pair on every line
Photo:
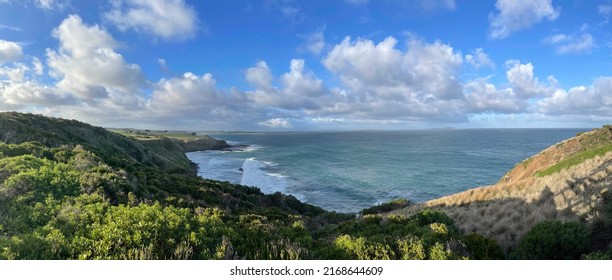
387, 206
362, 249
482, 248
554, 240
597, 256
411, 248
437, 252
428, 217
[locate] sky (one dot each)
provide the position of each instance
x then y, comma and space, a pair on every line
276, 65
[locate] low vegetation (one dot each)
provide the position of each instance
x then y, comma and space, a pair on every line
64, 195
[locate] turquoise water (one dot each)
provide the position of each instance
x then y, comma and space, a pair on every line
349, 171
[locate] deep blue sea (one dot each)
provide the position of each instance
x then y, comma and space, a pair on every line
349, 171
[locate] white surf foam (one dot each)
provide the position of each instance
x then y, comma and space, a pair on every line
254, 174
210, 166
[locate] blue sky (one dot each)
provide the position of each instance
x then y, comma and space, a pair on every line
309, 65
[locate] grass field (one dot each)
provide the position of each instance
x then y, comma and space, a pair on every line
155, 134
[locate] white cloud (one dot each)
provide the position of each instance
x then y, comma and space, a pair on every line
385, 82
188, 93
86, 63
524, 83
571, 43
484, 97
52, 4
30, 93
9, 51
20, 71
16, 73
315, 41
479, 58
38, 66
593, 100
260, 76
300, 88
12, 28
516, 15
362, 62
277, 123
169, 20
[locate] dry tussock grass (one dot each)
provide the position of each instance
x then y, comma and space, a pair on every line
507, 210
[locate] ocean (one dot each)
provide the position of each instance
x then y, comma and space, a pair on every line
350, 171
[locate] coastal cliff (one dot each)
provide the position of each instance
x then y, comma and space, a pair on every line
569, 181
162, 152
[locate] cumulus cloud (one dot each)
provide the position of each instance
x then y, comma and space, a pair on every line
166, 19
16, 72
518, 96
9, 51
479, 59
565, 44
524, 82
582, 100
260, 76
484, 97
185, 94
86, 63
300, 88
384, 81
18, 95
516, 15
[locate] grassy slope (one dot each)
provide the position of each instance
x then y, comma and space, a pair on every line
120, 148
564, 182
155, 134
112, 147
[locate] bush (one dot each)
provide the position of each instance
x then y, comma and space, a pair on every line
387, 207
597, 256
361, 249
428, 217
437, 252
482, 248
411, 248
554, 240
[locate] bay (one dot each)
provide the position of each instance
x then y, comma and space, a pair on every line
351, 170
